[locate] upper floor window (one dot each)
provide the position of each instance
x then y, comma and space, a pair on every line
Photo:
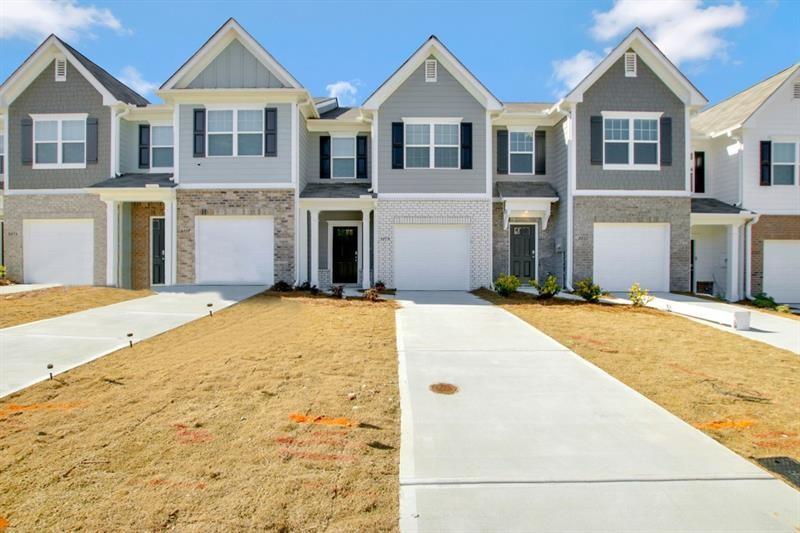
237, 132
520, 152
59, 141
343, 157
433, 144
784, 163
161, 145
631, 142
2, 155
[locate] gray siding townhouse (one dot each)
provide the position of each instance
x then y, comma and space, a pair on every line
242, 176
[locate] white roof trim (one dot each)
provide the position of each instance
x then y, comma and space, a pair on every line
791, 78
40, 60
654, 58
433, 47
223, 37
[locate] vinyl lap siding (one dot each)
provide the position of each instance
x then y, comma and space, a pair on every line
235, 68
312, 161
129, 147
305, 150
550, 165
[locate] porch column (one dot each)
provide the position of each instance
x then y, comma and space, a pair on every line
302, 260
315, 247
111, 242
365, 261
170, 241
732, 294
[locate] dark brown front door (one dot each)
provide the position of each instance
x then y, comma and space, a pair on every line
523, 252
345, 254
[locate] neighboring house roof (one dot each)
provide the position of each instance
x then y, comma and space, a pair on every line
734, 111
433, 47
714, 207
335, 190
136, 180
341, 113
217, 42
523, 189
640, 43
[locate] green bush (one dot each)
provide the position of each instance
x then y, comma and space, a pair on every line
548, 289
506, 285
588, 290
764, 301
638, 296
2, 271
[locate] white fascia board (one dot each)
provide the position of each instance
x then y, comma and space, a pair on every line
722, 219
338, 126
621, 192
435, 196
151, 113
133, 194
256, 186
338, 204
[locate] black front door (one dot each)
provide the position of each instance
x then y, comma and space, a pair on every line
345, 254
157, 252
523, 252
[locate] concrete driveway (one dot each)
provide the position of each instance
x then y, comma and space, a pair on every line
72, 340
538, 439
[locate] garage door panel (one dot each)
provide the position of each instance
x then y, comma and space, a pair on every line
629, 253
58, 251
431, 257
234, 250
782, 270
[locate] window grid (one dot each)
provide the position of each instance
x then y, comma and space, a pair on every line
784, 163
161, 146
235, 132
432, 145
520, 152
343, 157
2, 154
621, 150
59, 142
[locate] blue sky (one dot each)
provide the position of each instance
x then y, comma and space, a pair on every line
523, 51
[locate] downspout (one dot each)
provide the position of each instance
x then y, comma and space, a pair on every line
748, 258
115, 144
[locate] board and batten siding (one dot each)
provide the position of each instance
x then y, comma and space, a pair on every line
235, 68
645, 92
221, 170
445, 98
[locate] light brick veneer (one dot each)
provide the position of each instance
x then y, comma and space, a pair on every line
475, 213
40, 206
769, 227
140, 241
672, 210
276, 203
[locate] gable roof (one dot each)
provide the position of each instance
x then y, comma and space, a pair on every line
113, 90
655, 59
216, 43
735, 110
433, 47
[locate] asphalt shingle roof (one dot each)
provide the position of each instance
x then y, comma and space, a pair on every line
713, 206
525, 189
335, 190
136, 180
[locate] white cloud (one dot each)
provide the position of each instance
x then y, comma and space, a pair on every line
569, 72
34, 20
345, 91
133, 79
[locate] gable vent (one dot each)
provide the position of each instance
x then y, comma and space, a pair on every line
630, 64
61, 69
431, 70
796, 92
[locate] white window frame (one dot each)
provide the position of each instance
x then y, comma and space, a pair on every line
432, 122
532, 132
631, 117
153, 145
59, 142
2, 154
235, 133
354, 157
795, 165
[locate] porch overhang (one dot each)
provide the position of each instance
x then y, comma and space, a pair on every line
723, 219
135, 188
527, 208
339, 204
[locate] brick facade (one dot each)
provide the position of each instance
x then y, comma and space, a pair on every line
20, 207
276, 203
140, 241
616, 209
769, 227
475, 213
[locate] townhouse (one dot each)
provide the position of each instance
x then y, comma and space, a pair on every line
243, 176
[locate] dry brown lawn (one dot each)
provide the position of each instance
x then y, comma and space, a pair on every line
743, 393
24, 307
279, 413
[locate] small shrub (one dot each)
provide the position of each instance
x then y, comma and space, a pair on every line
505, 285
764, 301
588, 290
305, 287
337, 291
638, 296
548, 289
2, 271
314, 290
380, 286
783, 309
373, 295
281, 286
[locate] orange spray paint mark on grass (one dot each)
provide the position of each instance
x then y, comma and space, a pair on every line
186, 435
321, 420
3, 523
726, 424
14, 408
779, 443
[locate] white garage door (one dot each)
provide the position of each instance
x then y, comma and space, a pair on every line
58, 251
431, 257
782, 270
234, 250
625, 254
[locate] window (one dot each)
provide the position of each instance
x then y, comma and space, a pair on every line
235, 132
61, 69
444, 138
59, 141
520, 152
630, 142
161, 141
343, 157
630, 64
2, 155
784, 163
431, 70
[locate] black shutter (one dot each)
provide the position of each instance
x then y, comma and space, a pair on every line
361, 157
765, 158
2, 164
26, 142
325, 157
596, 139
699, 172
397, 145
502, 151
466, 145
666, 141
541, 151
199, 133
144, 146
91, 140
271, 132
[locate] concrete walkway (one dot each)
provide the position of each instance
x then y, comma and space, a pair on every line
22, 287
72, 340
538, 439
